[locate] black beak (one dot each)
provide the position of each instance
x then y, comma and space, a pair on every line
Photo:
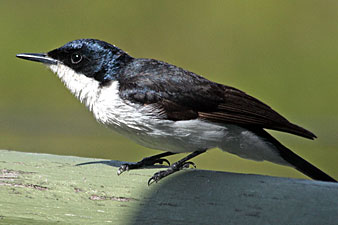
37, 57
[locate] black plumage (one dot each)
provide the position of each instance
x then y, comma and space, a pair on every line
183, 95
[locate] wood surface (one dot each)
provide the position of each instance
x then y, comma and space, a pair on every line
51, 189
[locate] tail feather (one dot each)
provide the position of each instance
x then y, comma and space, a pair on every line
305, 167
297, 130
299, 163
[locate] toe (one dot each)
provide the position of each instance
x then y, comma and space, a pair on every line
161, 161
188, 164
123, 168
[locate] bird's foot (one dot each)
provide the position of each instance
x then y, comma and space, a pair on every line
149, 161
172, 169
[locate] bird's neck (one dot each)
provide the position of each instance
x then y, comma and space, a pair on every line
84, 88
112, 67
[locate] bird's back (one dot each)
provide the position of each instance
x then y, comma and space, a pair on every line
183, 95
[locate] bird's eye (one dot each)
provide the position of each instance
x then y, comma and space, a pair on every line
76, 58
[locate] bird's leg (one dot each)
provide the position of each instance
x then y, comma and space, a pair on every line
148, 161
181, 164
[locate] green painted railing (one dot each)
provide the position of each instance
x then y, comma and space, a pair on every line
51, 189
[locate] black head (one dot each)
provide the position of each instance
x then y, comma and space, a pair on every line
92, 58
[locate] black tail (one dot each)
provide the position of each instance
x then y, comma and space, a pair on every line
299, 163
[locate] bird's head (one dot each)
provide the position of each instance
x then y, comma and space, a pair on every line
84, 66
91, 58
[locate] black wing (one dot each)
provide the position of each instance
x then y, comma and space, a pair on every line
183, 95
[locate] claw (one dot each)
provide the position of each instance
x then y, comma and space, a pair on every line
157, 176
188, 164
143, 163
161, 161
151, 180
123, 168
174, 168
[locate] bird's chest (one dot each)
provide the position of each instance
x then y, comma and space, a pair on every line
116, 113
135, 121
141, 124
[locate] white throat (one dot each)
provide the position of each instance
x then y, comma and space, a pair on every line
84, 88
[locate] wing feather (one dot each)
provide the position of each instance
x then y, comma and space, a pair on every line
182, 95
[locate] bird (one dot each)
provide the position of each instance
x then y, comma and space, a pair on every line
165, 107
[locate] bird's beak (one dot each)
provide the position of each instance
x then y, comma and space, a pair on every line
37, 57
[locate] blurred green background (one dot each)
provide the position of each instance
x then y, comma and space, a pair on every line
282, 52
